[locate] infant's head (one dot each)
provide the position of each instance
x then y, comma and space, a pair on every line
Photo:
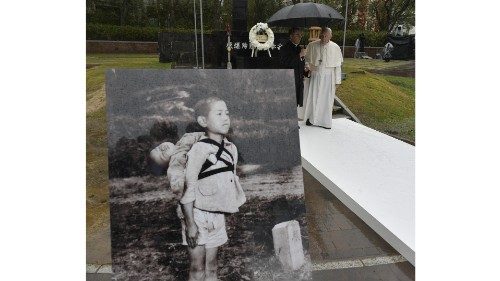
212, 114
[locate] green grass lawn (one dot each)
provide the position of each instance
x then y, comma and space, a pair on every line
101, 62
351, 64
383, 102
97, 153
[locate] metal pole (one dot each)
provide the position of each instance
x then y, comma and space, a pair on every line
195, 34
345, 26
229, 65
202, 45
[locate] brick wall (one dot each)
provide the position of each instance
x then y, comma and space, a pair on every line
370, 51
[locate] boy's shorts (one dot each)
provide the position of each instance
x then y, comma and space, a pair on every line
211, 228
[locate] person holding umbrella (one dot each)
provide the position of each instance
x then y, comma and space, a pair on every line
324, 60
292, 57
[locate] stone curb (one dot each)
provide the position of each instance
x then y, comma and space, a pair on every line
99, 268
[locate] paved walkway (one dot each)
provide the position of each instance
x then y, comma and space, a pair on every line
342, 246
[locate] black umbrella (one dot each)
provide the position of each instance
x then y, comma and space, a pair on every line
304, 15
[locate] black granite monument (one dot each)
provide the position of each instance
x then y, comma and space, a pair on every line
240, 58
180, 48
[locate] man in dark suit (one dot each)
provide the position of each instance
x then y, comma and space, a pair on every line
292, 56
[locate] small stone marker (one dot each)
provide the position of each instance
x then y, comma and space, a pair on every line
288, 245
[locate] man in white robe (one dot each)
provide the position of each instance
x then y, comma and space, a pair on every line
324, 60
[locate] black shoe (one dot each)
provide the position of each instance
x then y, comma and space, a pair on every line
308, 123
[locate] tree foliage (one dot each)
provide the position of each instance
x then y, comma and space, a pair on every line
389, 13
261, 10
158, 13
340, 6
376, 15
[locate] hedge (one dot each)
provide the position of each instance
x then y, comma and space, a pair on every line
128, 33
372, 39
133, 33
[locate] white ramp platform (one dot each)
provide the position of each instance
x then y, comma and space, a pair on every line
372, 173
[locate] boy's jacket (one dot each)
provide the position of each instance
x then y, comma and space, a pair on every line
220, 192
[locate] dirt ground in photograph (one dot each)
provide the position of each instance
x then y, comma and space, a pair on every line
146, 232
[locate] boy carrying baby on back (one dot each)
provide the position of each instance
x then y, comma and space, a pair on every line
212, 189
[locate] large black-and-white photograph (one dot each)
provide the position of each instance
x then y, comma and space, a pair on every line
205, 176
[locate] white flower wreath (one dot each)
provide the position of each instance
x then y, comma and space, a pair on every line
255, 44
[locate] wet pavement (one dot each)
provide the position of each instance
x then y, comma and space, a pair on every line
341, 245
386, 272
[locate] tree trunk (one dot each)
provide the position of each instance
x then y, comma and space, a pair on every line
388, 9
123, 12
